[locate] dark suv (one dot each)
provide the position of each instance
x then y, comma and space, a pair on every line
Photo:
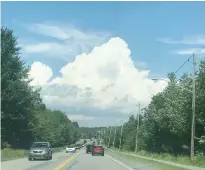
89, 148
40, 150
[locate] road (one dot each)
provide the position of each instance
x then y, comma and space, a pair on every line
65, 161
79, 161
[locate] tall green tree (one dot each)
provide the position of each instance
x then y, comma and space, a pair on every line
17, 97
24, 117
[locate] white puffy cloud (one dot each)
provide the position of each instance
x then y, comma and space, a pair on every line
40, 73
104, 79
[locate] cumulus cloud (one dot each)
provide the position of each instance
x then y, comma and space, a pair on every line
104, 79
40, 74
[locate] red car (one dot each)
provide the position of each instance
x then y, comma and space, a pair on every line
98, 150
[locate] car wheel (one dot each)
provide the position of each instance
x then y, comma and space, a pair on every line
29, 159
51, 157
103, 154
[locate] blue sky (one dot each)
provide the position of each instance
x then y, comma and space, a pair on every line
140, 24
160, 35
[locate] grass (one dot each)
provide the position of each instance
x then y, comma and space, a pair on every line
147, 164
198, 161
9, 153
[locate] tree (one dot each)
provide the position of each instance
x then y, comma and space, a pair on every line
18, 98
25, 118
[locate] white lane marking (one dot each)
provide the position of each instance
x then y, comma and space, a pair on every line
126, 166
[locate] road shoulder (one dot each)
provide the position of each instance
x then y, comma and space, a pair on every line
141, 163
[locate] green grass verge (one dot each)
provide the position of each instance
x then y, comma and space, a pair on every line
9, 153
146, 163
198, 161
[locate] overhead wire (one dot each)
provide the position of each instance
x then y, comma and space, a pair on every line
201, 48
187, 60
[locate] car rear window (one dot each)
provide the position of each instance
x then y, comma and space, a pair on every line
70, 146
98, 147
39, 145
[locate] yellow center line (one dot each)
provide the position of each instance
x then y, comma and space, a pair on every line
62, 164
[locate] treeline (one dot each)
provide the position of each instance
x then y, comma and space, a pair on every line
165, 125
24, 117
90, 132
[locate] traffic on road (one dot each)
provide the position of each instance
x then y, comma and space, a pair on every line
88, 156
75, 157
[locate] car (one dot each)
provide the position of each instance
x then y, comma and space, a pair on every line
40, 150
77, 146
89, 148
98, 150
70, 148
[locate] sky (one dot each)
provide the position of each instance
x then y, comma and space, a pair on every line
96, 60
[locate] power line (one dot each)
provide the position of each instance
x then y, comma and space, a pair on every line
182, 65
188, 71
201, 48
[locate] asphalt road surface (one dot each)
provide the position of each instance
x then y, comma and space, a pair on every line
78, 161
65, 161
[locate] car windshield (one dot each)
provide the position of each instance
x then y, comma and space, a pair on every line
39, 145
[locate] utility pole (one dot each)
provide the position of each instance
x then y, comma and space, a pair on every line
193, 108
138, 116
109, 136
108, 133
99, 134
104, 137
114, 137
121, 136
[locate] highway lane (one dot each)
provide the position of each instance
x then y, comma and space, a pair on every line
66, 161
82, 161
87, 162
24, 164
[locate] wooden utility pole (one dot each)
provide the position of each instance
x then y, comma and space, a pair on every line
114, 137
193, 108
110, 136
136, 142
121, 136
107, 135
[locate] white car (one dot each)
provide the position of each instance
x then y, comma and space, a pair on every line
70, 148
